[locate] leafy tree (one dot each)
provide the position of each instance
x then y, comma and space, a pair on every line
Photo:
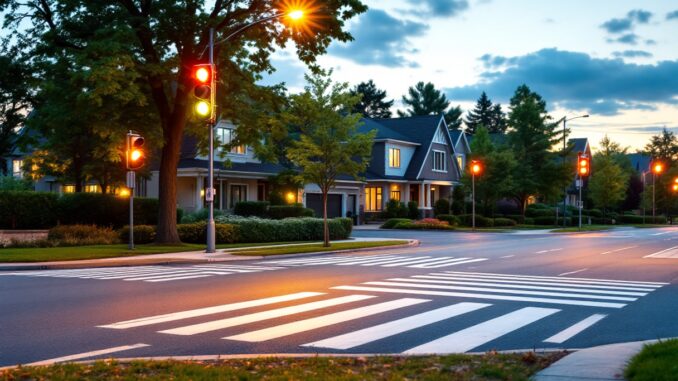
15, 99
538, 170
608, 182
458, 200
373, 103
161, 41
633, 193
663, 147
329, 144
486, 114
425, 99
496, 180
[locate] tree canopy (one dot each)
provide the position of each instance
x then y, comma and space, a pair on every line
373, 103
425, 99
487, 114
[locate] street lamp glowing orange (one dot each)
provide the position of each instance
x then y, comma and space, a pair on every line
657, 168
296, 14
476, 168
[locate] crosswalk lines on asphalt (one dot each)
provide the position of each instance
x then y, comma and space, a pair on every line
151, 274
420, 262
519, 288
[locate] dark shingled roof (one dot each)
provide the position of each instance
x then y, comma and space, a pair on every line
578, 144
639, 161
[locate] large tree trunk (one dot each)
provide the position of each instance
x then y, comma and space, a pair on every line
167, 213
326, 228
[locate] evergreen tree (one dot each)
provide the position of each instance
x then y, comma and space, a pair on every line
373, 103
486, 114
14, 102
425, 99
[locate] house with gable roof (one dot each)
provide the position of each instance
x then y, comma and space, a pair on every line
577, 145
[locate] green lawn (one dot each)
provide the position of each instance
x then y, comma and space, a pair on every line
656, 362
490, 366
584, 228
73, 253
317, 247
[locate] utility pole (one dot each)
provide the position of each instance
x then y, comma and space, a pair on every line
209, 193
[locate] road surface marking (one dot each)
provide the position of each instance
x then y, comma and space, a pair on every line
508, 256
178, 278
323, 321
483, 296
390, 261
655, 234
367, 335
326, 260
446, 263
564, 283
264, 315
549, 250
477, 335
172, 274
503, 291
568, 333
379, 260
432, 279
573, 272
618, 250
209, 310
584, 280
367, 261
88, 354
671, 252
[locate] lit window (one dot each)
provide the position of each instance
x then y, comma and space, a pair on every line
17, 168
91, 188
394, 157
226, 136
68, 188
395, 195
372, 199
439, 163
460, 161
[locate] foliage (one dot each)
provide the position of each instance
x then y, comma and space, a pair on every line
142, 234
198, 215
197, 233
395, 209
451, 219
531, 137
441, 206
80, 235
664, 148
487, 115
458, 200
11, 183
413, 210
279, 212
481, 221
633, 193
15, 98
499, 221
425, 224
633, 219
537, 212
425, 99
518, 218
254, 229
373, 103
656, 362
329, 144
392, 222
28, 210
251, 208
608, 183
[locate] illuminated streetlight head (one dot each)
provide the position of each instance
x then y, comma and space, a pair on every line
658, 168
476, 167
296, 14
291, 197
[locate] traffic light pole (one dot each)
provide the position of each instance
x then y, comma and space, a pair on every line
131, 179
209, 193
581, 201
473, 201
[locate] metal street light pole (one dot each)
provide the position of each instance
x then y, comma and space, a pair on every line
473, 200
565, 120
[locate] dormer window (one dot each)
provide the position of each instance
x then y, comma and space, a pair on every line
394, 157
226, 136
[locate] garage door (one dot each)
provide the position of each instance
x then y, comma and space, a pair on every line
315, 202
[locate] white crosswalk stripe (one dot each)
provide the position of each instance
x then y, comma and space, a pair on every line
569, 332
151, 274
421, 262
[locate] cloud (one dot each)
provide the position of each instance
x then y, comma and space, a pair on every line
640, 16
439, 8
672, 15
629, 39
380, 39
625, 25
617, 25
578, 82
632, 54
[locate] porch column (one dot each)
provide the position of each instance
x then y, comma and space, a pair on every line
428, 195
405, 193
422, 189
221, 195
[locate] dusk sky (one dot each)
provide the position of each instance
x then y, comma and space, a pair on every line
616, 60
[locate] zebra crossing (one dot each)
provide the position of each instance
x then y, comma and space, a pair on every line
152, 274
419, 262
457, 330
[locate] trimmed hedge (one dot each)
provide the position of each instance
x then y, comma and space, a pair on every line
391, 223
287, 230
540, 212
78, 235
518, 218
551, 221
197, 233
395, 209
420, 226
28, 210
504, 222
481, 221
251, 208
413, 212
278, 212
441, 207
451, 219
142, 233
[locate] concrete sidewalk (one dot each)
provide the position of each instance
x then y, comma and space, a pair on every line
606, 362
188, 257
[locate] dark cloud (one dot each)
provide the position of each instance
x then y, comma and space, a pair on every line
629, 39
640, 16
617, 25
439, 8
380, 39
578, 81
632, 54
626, 25
672, 15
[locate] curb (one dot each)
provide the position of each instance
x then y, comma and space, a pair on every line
174, 261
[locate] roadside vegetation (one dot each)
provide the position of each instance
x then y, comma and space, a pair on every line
490, 366
317, 247
656, 362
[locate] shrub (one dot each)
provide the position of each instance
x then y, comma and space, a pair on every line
451, 219
77, 235
142, 233
413, 210
458, 200
200, 215
441, 206
105, 210
481, 221
391, 223
595, 220
518, 218
551, 221
278, 212
540, 212
538, 205
421, 225
504, 222
291, 229
251, 208
395, 209
592, 212
528, 221
27, 210
197, 233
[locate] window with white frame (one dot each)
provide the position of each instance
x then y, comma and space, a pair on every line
226, 136
17, 168
439, 162
394, 157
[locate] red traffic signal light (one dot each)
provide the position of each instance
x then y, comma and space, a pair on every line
476, 167
136, 157
204, 85
583, 165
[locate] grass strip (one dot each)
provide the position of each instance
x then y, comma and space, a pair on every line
490, 366
74, 253
656, 362
584, 228
317, 247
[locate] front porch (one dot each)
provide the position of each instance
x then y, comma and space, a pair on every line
424, 193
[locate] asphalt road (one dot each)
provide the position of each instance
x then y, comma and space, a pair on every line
457, 292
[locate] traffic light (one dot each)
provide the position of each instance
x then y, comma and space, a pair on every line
583, 165
476, 167
204, 87
136, 157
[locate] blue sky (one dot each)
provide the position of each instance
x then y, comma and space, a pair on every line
614, 59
